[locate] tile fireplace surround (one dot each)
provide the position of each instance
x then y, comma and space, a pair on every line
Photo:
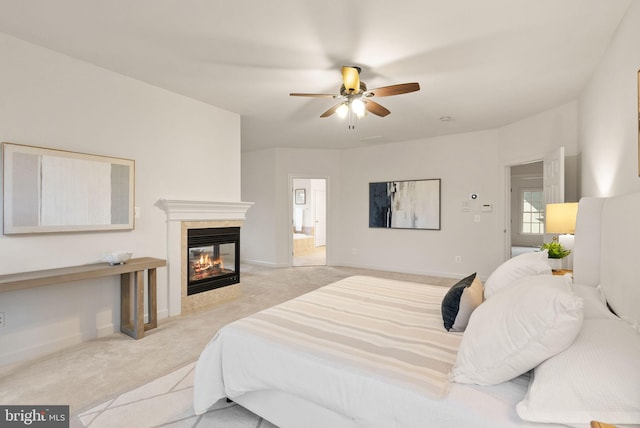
184, 215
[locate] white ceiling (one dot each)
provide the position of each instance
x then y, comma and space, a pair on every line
485, 63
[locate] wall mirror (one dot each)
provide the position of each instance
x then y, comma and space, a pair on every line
47, 190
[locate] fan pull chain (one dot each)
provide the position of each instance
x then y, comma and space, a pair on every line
351, 116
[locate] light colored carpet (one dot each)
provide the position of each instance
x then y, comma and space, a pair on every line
99, 371
167, 402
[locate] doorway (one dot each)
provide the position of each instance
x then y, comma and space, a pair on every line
309, 222
530, 185
527, 208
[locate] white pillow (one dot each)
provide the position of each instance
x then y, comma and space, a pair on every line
527, 264
595, 305
517, 329
596, 378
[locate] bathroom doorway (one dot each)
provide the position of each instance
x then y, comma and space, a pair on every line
309, 222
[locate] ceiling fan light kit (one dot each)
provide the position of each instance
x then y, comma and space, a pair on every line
355, 97
358, 107
342, 111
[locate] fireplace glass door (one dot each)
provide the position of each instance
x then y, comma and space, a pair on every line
211, 261
213, 258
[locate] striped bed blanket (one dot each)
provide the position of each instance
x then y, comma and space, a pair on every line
332, 342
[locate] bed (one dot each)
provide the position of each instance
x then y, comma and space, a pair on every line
370, 352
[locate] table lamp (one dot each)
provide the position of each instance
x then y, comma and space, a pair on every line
561, 219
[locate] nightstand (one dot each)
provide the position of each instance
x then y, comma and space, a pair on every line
596, 424
562, 272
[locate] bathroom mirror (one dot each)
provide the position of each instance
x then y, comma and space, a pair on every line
47, 190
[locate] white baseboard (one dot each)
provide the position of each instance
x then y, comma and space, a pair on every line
106, 330
441, 274
44, 348
265, 264
39, 350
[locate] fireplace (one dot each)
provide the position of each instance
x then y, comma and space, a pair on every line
182, 216
213, 258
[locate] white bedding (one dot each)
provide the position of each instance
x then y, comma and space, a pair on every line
241, 361
310, 389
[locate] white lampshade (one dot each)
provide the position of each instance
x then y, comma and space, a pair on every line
561, 218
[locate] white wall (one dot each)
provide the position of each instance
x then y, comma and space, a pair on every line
55, 101
466, 163
608, 110
258, 235
533, 137
266, 175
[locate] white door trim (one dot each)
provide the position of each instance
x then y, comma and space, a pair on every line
289, 238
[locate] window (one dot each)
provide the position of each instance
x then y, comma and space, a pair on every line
532, 210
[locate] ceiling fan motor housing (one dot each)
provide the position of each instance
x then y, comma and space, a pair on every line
345, 92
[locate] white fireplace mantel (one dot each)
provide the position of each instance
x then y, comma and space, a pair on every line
179, 211
183, 210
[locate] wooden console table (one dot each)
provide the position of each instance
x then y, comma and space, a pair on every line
131, 276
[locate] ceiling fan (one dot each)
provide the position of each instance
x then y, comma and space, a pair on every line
355, 98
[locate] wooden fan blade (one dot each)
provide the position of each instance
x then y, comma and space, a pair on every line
387, 91
351, 79
296, 94
331, 110
375, 108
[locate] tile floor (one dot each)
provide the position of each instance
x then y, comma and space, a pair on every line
317, 257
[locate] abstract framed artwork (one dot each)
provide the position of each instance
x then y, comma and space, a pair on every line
49, 190
407, 204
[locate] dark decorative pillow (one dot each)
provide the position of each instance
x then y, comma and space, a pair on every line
460, 301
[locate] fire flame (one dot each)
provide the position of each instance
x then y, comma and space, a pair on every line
205, 266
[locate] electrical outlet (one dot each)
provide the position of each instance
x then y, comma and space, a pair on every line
354, 251
458, 259
2, 319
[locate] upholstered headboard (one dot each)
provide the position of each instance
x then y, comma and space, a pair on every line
607, 250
